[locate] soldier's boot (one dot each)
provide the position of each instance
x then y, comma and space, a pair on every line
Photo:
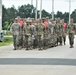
14, 48
27, 49
70, 46
60, 44
20, 47
64, 43
39, 49
31, 47
17, 47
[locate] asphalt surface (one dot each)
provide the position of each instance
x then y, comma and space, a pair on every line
59, 60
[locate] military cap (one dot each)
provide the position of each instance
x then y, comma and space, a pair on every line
47, 17
16, 18
43, 18
58, 18
60, 21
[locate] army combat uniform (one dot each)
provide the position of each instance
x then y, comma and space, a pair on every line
71, 32
27, 33
15, 28
40, 35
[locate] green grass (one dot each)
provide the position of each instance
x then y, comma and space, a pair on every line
7, 41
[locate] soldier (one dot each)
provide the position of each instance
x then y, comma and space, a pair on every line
36, 32
64, 31
40, 34
71, 32
24, 27
32, 29
59, 30
27, 33
15, 29
21, 32
45, 34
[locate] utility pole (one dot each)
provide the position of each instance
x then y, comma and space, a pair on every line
52, 9
0, 15
36, 10
31, 2
70, 9
1, 32
40, 9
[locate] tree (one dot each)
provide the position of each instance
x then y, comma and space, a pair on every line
73, 15
59, 14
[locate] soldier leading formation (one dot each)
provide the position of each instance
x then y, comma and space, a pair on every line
41, 33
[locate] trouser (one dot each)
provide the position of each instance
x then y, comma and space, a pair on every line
35, 43
71, 39
64, 39
45, 43
60, 39
40, 42
21, 40
24, 40
28, 42
57, 40
16, 41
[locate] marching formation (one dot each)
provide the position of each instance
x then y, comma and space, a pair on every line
41, 33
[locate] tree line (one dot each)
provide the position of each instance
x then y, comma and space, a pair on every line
25, 11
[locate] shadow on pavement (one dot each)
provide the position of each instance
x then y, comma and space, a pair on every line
37, 61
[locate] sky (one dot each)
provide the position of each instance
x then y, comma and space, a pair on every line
59, 5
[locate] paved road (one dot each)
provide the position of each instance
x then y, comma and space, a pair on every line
59, 60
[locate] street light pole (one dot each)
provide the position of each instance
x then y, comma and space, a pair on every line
36, 10
52, 9
69, 11
40, 9
31, 2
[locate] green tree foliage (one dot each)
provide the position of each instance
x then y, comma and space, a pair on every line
73, 15
28, 10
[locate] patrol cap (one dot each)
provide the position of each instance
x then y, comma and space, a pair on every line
47, 17
71, 19
60, 21
16, 19
27, 20
37, 20
43, 18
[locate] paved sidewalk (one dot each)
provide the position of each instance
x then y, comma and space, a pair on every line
59, 60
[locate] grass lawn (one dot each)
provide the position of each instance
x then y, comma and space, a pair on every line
7, 41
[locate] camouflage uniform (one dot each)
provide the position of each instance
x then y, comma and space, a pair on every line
71, 32
15, 29
64, 32
24, 41
33, 29
40, 35
52, 40
59, 31
27, 33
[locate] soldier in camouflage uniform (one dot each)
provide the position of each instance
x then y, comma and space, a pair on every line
15, 29
71, 32
53, 32
45, 34
27, 33
24, 27
59, 31
33, 29
40, 34
64, 31
21, 32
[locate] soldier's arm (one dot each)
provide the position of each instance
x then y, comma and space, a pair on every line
11, 29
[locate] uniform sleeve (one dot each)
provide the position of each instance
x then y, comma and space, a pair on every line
11, 29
